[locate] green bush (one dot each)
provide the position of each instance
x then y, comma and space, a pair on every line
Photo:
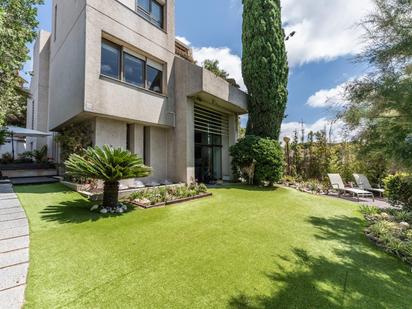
7, 158
399, 190
257, 160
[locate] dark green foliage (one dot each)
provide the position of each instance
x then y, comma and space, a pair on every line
74, 138
107, 164
399, 190
264, 66
40, 156
257, 160
17, 28
3, 135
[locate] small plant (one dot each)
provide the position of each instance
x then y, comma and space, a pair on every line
7, 158
40, 156
26, 157
369, 210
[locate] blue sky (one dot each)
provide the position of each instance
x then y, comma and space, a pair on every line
320, 54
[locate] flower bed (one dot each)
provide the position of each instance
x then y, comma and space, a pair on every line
391, 230
159, 197
312, 186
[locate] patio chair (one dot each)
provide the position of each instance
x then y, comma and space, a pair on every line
337, 184
363, 183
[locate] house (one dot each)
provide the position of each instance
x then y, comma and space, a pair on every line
118, 65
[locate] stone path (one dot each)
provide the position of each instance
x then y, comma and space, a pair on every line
14, 249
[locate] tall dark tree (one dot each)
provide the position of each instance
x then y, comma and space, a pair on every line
18, 22
265, 67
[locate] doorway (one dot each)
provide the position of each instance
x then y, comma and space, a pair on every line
208, 157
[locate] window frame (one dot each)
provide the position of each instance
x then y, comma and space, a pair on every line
147, 61
125, 53
120, 58
149, 15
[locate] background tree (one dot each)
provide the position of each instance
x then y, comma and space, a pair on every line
107, 164
18, 22
380, 103
264, 65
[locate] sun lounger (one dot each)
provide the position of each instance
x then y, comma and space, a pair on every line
363, 183
337, 184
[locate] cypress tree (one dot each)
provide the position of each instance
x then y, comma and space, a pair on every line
265, 67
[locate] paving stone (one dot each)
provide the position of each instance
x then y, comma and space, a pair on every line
14, 258
12, 298
14, 252
9, 203
15, 232
15, 216
12, 210
13, 276
13, 224
14, 244
7, 195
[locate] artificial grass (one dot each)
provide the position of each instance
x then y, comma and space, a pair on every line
243, 248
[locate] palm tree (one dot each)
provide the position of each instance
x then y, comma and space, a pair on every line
110, 165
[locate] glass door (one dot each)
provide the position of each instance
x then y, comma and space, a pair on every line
208, 157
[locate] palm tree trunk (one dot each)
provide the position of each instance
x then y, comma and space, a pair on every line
111, 194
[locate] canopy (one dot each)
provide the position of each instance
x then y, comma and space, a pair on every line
23, 132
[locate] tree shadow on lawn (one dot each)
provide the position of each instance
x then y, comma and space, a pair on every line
76, 211
359, 276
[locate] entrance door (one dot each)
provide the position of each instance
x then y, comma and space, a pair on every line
208, 157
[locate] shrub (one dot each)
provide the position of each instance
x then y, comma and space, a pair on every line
26, 156
257, 160
40, 156
7, 158
399, 190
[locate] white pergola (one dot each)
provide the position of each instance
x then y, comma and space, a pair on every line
23, 132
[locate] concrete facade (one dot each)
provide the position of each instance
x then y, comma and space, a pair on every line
157, 126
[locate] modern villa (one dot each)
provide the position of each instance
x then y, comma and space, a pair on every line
118, 65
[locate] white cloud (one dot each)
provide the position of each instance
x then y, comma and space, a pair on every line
228, 61
329, 98
325, 29
336, 129
183, 40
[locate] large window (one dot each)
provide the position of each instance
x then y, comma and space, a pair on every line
110, 59
134, 70
154, 79
151, 10
137, 70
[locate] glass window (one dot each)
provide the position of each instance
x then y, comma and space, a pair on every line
157, 14
144, 4
154, 79
110, 63
133, 70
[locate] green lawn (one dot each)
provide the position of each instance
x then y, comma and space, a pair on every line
242, 248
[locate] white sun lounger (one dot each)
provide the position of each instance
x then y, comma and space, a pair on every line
337, 184
363, 183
